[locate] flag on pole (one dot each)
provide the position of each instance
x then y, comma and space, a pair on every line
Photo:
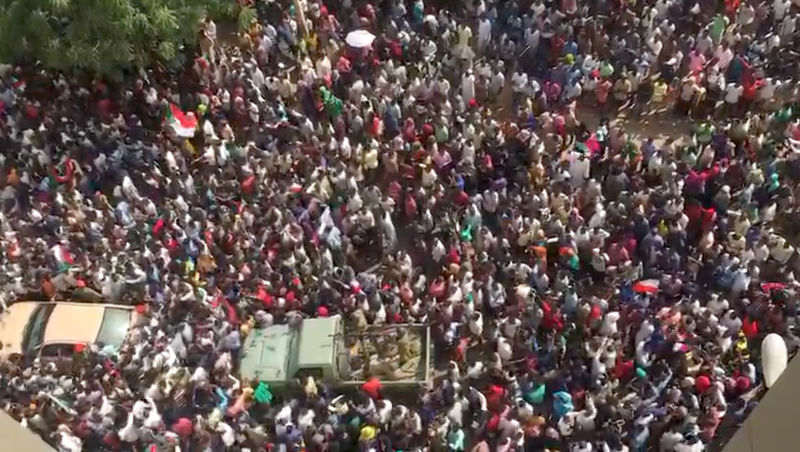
184, 124
262, 393
19, 85
646, 286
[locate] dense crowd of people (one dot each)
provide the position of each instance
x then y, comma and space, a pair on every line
587, 289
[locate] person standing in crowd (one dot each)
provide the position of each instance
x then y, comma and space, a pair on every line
587, 288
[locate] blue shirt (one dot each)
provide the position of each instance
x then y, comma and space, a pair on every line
570, 48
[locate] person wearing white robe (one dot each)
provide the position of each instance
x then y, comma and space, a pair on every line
463, 50
484, 34
468, 86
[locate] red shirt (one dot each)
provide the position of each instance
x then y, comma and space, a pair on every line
494, 397
557, 44
427, 130
411, 206
396, 49
409, 131
731, 6
462, 198
750, 89
623, 368
264, 296
453, 256
708, 218
750, 328
31, 111
372, 388
553, 90
158, 226
702, 383
602, 91
248, 185
104, 106
343, 65
375, 126
183, 427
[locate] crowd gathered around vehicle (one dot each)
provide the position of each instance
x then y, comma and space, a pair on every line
479, 169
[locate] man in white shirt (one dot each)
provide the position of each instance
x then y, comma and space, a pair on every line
463, 49
579, 167
655, 45
774, 42
714, 79
732, 93
258, 78
497, 83
661, 8
767, 91
723, 55
490, 201
532, 88
746, 15
518, 81
573, 90
429, 50
538, 8
484, 34
667, 28
589, 64
468, 86
532, 37
686, 93
787, 27
779, 8
704, 41
484, 70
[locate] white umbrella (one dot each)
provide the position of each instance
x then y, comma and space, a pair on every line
359, 38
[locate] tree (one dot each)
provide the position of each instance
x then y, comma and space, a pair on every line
104, 37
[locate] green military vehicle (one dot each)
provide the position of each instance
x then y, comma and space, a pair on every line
284, 356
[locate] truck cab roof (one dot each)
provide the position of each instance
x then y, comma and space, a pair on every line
266, 353
276, 353
317, 342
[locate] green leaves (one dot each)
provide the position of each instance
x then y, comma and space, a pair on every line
104, 37
222, 9
164, 20
246, 17
166, 50
59, 5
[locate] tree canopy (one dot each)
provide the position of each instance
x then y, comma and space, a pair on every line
104, 37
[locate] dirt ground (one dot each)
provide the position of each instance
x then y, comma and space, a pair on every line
659, 126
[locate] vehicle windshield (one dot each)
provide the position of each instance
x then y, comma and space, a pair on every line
34, 330
114, 327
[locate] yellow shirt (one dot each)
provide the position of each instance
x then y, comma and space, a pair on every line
659, 91
663, 230
371, 158
368, 433
188, 266
311, 41
189, 147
